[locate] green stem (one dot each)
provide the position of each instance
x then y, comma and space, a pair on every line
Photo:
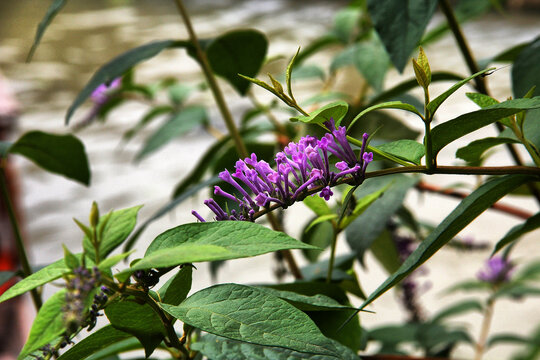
430, 161
332, 255
165, 319
280, 129
214, 87
95, 244
23, 257
484, 332
480, 82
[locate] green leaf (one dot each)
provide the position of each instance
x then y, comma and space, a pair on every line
408, 150
95, 342
526, 69
386, 105
237, 52
385, 251
319, 270
114, 232
472, 206
435, 103
146, 119
111, 352
118, 66
400, 25
318, 302
219, 348
48, 324
70, 260
251, 315
363, 231
451, 130
421, 76
369, 58
513, 291
319, 220
361, 205
178, 124
498, 339
109, 262
175, 290
261, 84
458, 309
473, 152
52, 11
41, 277
329, 323
319, 235
482, 100
288, 74
138, 320
210, 241
318, 205
517, 231
336, 110
59, 154
469, 286
424, 65
345, 22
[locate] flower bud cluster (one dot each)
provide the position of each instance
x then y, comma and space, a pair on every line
79, 287
300, 167
497, 270
146, 278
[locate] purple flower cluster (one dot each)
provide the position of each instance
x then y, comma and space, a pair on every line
300, 167
497, 270
78, 289
101, 94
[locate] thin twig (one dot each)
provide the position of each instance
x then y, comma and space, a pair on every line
507, 209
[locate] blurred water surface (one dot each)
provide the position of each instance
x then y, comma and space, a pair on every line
88, 33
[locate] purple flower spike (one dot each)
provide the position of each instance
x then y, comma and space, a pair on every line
300, 168
261, 199
497, 270
368, 157
326, 193
101, 94
199, 217
342, 165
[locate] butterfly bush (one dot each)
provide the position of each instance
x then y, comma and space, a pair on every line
300, 167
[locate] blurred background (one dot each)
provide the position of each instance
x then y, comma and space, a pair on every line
87, 34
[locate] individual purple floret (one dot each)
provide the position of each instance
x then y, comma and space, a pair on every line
101, 94
300, 167
497, 270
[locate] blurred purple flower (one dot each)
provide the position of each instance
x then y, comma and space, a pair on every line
300, 167
497, 270
101, 94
